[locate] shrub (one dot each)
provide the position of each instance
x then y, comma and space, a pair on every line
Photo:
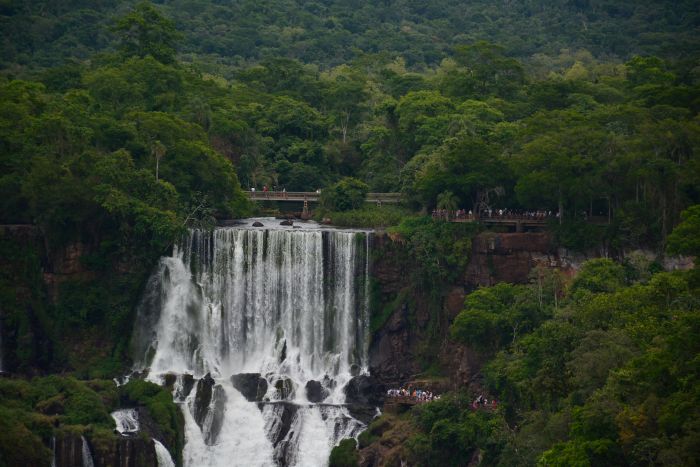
349, 193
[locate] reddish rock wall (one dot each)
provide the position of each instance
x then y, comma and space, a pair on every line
398, 347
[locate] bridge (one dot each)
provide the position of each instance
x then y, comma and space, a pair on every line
315, 196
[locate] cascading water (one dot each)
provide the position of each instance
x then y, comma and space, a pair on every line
127, 421
273, 324
162, 455
86, 454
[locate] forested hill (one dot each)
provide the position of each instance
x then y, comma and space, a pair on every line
330, 32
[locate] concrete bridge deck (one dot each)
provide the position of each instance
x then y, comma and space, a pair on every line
314, 197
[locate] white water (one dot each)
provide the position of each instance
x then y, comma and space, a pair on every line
87, 455
127, 420
162, 455
285, 303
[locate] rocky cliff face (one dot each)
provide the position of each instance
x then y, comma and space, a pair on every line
70, 451
416, 326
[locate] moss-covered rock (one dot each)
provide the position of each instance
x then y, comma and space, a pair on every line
344, 454
166, 415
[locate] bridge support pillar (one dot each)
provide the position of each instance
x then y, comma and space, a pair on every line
519, 227
305, 212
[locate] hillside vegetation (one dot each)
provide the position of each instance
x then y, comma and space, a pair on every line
122, 124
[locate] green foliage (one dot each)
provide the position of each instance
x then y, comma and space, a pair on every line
439, 249
451, 432
32, 411
599, 275
494, 316
612, 366
376, 217
685, 238
336, 32
160, 405
344, 454
349, 193
606, 378
144, 31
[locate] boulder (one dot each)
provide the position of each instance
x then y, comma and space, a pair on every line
202, 399
363, 412
287, 222
258, 224
364, 389
185, 387
215, 416
284, 387
315, 392
251, 385
208, 408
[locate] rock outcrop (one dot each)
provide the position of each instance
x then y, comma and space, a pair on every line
208, 410
251, 385
397, 346
117, 452
315, 392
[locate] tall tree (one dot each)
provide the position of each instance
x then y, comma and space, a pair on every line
144, 31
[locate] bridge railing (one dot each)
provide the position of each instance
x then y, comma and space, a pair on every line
315, 196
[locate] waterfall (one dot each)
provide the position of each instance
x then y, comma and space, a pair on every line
127, 421
269, 325
87, 455
162, 455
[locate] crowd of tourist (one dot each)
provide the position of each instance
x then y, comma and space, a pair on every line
483, 403
418, 395
460, 214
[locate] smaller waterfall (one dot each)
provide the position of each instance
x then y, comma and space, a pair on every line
87, 455
127, 421
162, 454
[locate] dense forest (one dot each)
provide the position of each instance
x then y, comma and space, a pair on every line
122, 124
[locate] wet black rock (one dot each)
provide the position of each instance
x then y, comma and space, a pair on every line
184, 390
285, 388
169, 380
117, 452
251, 385
215, 416
363, 412
208, 410
205, 389
283, 354
282, 421
258, 224
315, 392
364, 389
287, 222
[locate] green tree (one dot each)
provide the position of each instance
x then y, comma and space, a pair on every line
685, 238
144, 31
348, 193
